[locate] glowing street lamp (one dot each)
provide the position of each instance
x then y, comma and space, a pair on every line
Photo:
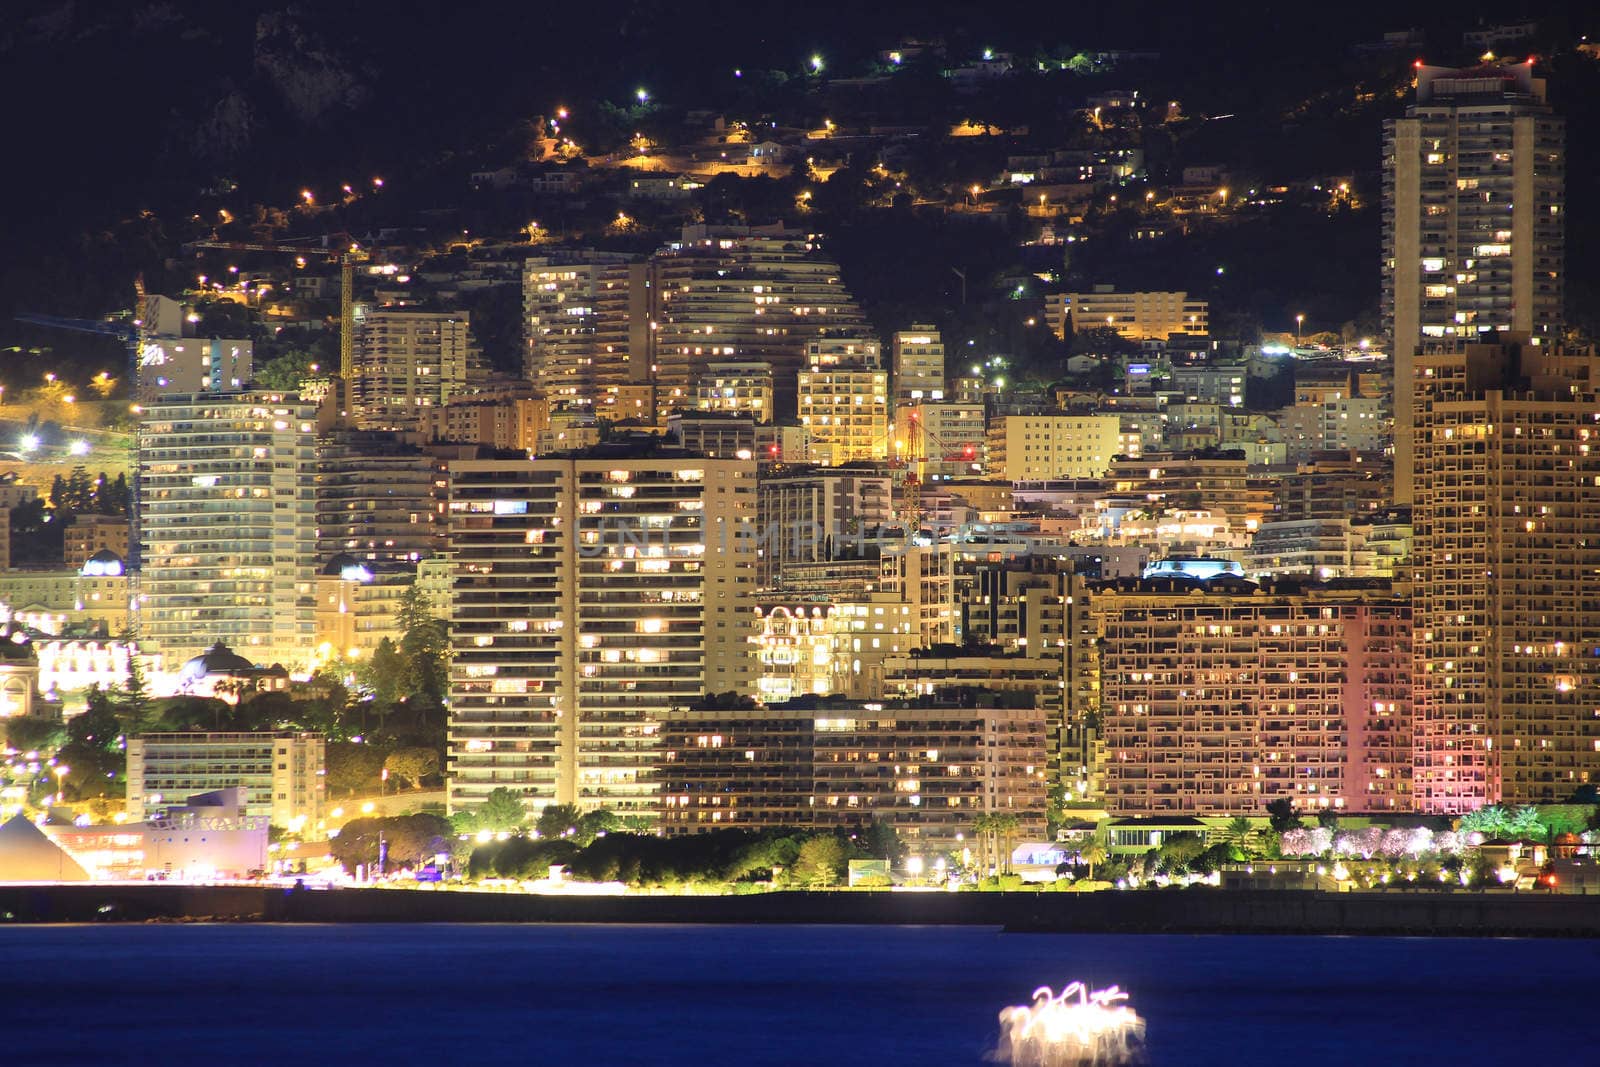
29, 442
642, 95
1299, 320
816, 64
79, 447
60, 771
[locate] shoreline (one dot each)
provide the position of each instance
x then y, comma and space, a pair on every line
1188, 911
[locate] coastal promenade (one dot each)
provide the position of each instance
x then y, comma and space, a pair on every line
1192, 911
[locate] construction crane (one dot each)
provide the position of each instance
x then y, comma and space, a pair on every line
132, 334
347, 254
913, 458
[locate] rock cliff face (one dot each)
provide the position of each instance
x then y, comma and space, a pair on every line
313, 79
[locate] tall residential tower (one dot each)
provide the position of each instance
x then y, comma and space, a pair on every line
1472, 220
592, 593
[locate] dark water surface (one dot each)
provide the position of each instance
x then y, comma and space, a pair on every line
603, 995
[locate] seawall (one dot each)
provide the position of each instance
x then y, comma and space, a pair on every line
1189, 911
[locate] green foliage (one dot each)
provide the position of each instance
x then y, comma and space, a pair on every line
1281, 815
1214, 857
1179, 850
34, 733
501, 811
1240, 832
383, 674
411, 765
558, 820
285, 370
94, 751
423, 647
1093, 853
519, 857
821, 862
186, 713
413, 841
1496, 823
97, 726
353, 768
882, 841
720, 857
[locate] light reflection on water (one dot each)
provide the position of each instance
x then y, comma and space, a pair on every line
710, 995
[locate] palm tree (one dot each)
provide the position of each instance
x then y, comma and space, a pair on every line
1092, 852
1239, 831
1006, 826
983, 826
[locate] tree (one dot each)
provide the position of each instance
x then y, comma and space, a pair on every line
558, 820
411, 765
286, 370
1240, 831
383, 674
1006, 827
983, 827
595, 824
135, 693
94, 750
423, 646
1179, 850
882, 841
1281, 815
821, 861
412, 840
353, 768
502, 811
1093, 853
33, 733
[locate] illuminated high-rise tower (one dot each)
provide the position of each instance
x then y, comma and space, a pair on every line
592, 592
1506, 565
1472, 220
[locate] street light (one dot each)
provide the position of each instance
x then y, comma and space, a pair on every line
60, 770
1299, 320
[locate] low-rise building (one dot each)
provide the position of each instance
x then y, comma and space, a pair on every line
283, 773
926, 769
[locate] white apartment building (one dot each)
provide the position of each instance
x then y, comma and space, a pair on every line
283, 773
587, 321
592, 593
408, 360
918, 366
1141, 316
846, 411
1048, 447
228, 525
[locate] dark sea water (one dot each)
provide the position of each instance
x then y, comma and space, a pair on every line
604, 995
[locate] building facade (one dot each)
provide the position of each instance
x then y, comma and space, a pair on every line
592, 592
227, 488
407, 360
1474, 223
926, 769
1138, 316
1507, 574
1220, 696
283, 773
